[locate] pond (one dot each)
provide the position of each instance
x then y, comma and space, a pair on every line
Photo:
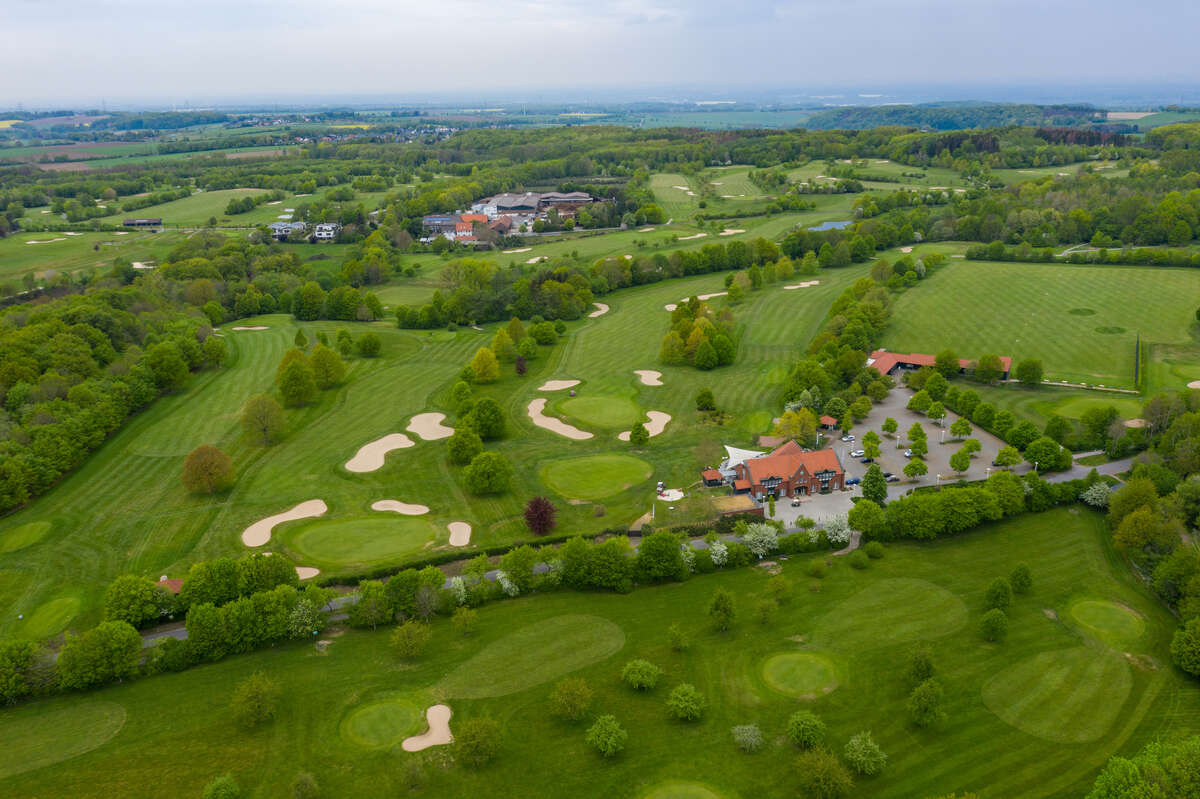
831, 225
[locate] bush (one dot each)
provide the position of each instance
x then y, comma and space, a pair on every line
255, 700
464, 620
368, 345
685, 702
476, 741
874, 550
748, 737
1021, 580
765, 610
864, 755
822, 775
1185, 647
920, 666
488, 473
223, 787
994, 625
721, 609
805, 729
999, 594
607, 736
858, 559
780, 589
304, 786
816, 568
925, 703
463, 446
571, 698
641, 675
410, 639
678, 639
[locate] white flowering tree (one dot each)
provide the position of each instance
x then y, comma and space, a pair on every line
689, 558
1096, 495
458, 587
837, 530
719, 552
506, 585
761, 538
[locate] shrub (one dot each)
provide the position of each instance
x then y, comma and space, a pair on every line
721, 609
223, 787
780, 589
994, 625
685, 702
765, 610
1185, 647
1021, 580
571, 698
822, 775
607, 735
410, 639
816, 568
999, 594
476, 741
304, 786
641, 675
678, 639
805, 729
368, 345
858, 559
925, 703
748, 737
874, 550
463, 446
864, 755
255, 700
920, 665
464, 620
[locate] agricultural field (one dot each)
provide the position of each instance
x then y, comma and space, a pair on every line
1013, 727
1081, 321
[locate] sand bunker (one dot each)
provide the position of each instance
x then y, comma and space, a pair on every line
519, 249
259, 533
254, 327
1136, 423
121, 233
601, 310
554, 425
438, 717
460, 534
1194, 384
645, 230
535, 259
557, 385
906, 249
731, 231
656, 424
429, 426
72, 234
803, 285
277, 202
649, 377
371, 456
307, 572
627, 257
670, 306
693, 236
681, 188
403, 508
703, 297
45, 241
140, 265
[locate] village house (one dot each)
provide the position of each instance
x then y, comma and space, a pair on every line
327, 231
281, 230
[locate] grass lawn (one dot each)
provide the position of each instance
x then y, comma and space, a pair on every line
1081, 321
58, 252
1034, 716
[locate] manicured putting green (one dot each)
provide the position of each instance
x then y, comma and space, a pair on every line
1066, 696
34, 737
807, 675
891, 612
595, 476
22, 536
361, 540
383, 722
677, 789
533, 655
51, 618
602, 411
1108, 621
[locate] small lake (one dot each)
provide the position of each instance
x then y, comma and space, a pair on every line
831, 225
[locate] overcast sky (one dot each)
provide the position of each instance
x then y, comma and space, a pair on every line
82, 51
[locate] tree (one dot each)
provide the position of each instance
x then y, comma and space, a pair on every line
477, 741
920, 401
300, 340
889, 426
678, 639
1137, 493
999, 594
800, 426
946, 363
371, 606
607, 735
989, 369
571, 698
915, 468
960, 428
410, 639
721, 609
641, 675
805, 729
328, 368
215, 351
925, 703
919, 667
463, 446
685, 702
705, 400
937, 386
1029, 371
747, 737
107, 652
867, 517
488, 473
936, 412
539, 515
874, 485
864, 755
1161, 769
166, 364
639, 436
659, 557
368, 345
1185, 647
485, 366
870, 442
255, 700
262, 419
223, 787
465, 619
16, 666
994, 625
487, 419
1007, 457
1048, 454
961, 461
207, 470
822, 775
761, 538
504, 348
1021, 579
296, 382
706, 356
135, 600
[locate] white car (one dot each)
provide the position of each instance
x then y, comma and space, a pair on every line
858, 453
847, 437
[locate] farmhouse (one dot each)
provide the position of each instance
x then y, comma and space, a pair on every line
789, 471
892, 363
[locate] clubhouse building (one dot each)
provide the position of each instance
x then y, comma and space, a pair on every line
787, 471
892, 363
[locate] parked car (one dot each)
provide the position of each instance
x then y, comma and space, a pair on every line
908, 453
887, 474
867, 460
848, 437
853, 481
858, 453
795, 503
891, 478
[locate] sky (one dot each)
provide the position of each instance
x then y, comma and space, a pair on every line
175, 52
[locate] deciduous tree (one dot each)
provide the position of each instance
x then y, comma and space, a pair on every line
207, 470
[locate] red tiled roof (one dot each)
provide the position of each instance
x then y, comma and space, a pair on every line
473, 218
712, 474
463, 227
787, 460
829, 421
174, 586
741, 485
885, 362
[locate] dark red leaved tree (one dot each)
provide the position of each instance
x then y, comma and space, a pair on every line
539, 515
